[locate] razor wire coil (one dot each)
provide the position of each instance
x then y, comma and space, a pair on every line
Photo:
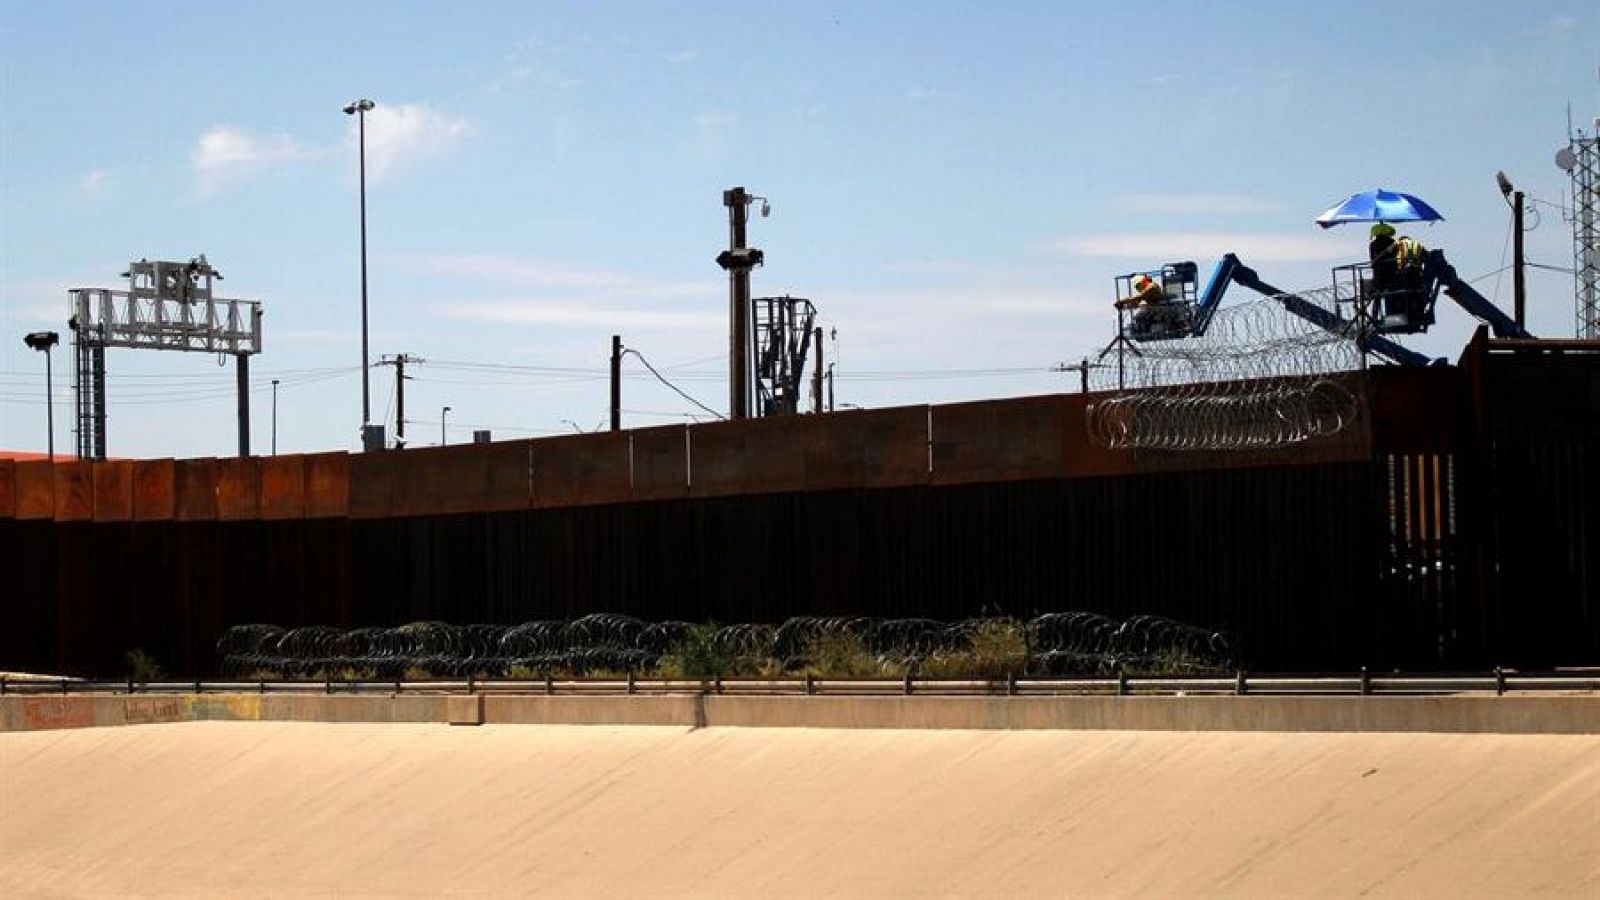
1259, 378
1054, 644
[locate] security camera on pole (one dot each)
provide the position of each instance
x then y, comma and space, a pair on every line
737, 261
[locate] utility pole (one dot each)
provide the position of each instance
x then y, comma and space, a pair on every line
243, 366
737, 261
1082, 368
399, 362
1519, 284
274, 417
616, 382
1519, 262
816, 373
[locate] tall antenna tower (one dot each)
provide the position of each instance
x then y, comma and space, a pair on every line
1581, 160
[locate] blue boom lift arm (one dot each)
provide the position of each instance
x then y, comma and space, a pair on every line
1469, 299
1324, 318
1229, 270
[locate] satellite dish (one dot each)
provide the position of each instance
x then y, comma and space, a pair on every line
1565, 160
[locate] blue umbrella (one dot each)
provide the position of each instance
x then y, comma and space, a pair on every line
1379, 206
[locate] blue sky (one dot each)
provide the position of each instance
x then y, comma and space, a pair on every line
953, 184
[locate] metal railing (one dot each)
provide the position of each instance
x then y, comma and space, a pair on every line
1498, 681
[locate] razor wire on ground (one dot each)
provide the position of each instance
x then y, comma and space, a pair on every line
1259, 378
1064, 643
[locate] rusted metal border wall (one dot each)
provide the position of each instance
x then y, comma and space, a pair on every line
1196, 547
1536, 443
1328, 554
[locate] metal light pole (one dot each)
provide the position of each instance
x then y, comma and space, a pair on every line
359, 109
44, 340
442, 414
274, 417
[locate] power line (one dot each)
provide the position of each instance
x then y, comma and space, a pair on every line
675, 388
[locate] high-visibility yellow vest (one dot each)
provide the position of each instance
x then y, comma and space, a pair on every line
1408, 252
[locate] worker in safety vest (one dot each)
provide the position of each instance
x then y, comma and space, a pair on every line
1408, 252
1146, 291
1408, 256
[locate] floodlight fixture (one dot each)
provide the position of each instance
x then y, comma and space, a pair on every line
42, 340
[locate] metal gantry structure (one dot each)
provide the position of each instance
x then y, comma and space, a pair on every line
167, 306
780, 341
1581, 160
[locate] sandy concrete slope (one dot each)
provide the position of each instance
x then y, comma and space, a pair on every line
231, 809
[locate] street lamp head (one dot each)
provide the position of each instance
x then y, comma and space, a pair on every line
1504, 182
42, 340
355, 106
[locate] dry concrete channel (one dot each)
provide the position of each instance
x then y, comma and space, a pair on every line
244, 794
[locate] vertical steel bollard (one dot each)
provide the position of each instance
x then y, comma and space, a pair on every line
1366, 681
130, 685
1499, 681
549, 684
1011, 684
1122, 681
810, 687
472, 683
908, 684
630, 681
1240, 686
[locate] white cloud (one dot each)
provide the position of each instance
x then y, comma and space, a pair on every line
1195, 204
534, 274
928, 266
400, 135
1149, 246
225, 154
487, 287
683, 56
94, 182
578, 314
